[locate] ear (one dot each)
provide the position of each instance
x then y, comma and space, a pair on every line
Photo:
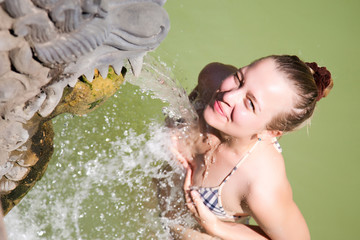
269, 134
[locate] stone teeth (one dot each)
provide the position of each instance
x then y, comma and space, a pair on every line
53, 96
12, 136
103, 71
89, 75
34, 105
4, 155
28, 160
72, 81
117, 67
4, 169
136, 64
6, 185
17, 173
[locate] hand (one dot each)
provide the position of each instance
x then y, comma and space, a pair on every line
179, 156
202, 214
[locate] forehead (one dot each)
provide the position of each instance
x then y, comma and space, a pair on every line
270, 87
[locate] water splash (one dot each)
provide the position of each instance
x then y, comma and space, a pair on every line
157, 78
100, 181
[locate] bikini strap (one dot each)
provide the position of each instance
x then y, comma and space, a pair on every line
240, 162
276, 145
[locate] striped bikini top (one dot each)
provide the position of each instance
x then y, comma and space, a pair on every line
211, 196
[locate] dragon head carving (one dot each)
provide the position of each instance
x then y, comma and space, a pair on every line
47, 45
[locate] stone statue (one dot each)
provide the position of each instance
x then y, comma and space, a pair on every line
48, 48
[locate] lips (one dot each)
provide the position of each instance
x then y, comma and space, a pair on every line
218, 108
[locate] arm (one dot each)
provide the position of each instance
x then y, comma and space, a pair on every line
278, 215
213, 225
225, 230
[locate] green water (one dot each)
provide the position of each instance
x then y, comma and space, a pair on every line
99, 182
323, 163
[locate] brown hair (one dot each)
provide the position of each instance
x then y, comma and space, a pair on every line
311, 83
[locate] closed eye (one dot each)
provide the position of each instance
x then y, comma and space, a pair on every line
239, 81
251, 104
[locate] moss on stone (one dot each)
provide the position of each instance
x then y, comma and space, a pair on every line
86, 96
83, 98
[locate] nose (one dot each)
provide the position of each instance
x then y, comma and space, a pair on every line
232, 96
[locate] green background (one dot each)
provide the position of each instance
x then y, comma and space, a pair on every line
323, 161
99, 182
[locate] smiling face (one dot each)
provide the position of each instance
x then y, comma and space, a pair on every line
247, 101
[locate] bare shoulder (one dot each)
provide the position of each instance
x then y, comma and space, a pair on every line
270, 202
270, 180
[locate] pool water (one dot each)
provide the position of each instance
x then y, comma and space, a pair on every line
99, 183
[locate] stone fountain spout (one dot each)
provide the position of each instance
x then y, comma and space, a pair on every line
54, 56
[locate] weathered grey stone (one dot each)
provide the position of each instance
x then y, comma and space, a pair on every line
46, 45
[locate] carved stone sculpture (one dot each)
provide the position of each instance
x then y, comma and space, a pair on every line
45, 47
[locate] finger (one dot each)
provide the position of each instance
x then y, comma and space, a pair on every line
187, 182
188, 198
192, 208
189, 203
200, 207
195, 196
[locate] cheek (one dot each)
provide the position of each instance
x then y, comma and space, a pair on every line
248, 120
243, 117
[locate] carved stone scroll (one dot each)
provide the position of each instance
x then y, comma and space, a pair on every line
46, 46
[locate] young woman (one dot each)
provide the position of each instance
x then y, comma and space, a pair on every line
236, 170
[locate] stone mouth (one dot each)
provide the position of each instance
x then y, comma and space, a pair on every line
46, 47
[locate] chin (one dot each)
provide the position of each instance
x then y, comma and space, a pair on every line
208, 114
211, 119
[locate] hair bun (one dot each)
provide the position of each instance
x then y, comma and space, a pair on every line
322, 78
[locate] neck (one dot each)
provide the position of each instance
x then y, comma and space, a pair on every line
238, 145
